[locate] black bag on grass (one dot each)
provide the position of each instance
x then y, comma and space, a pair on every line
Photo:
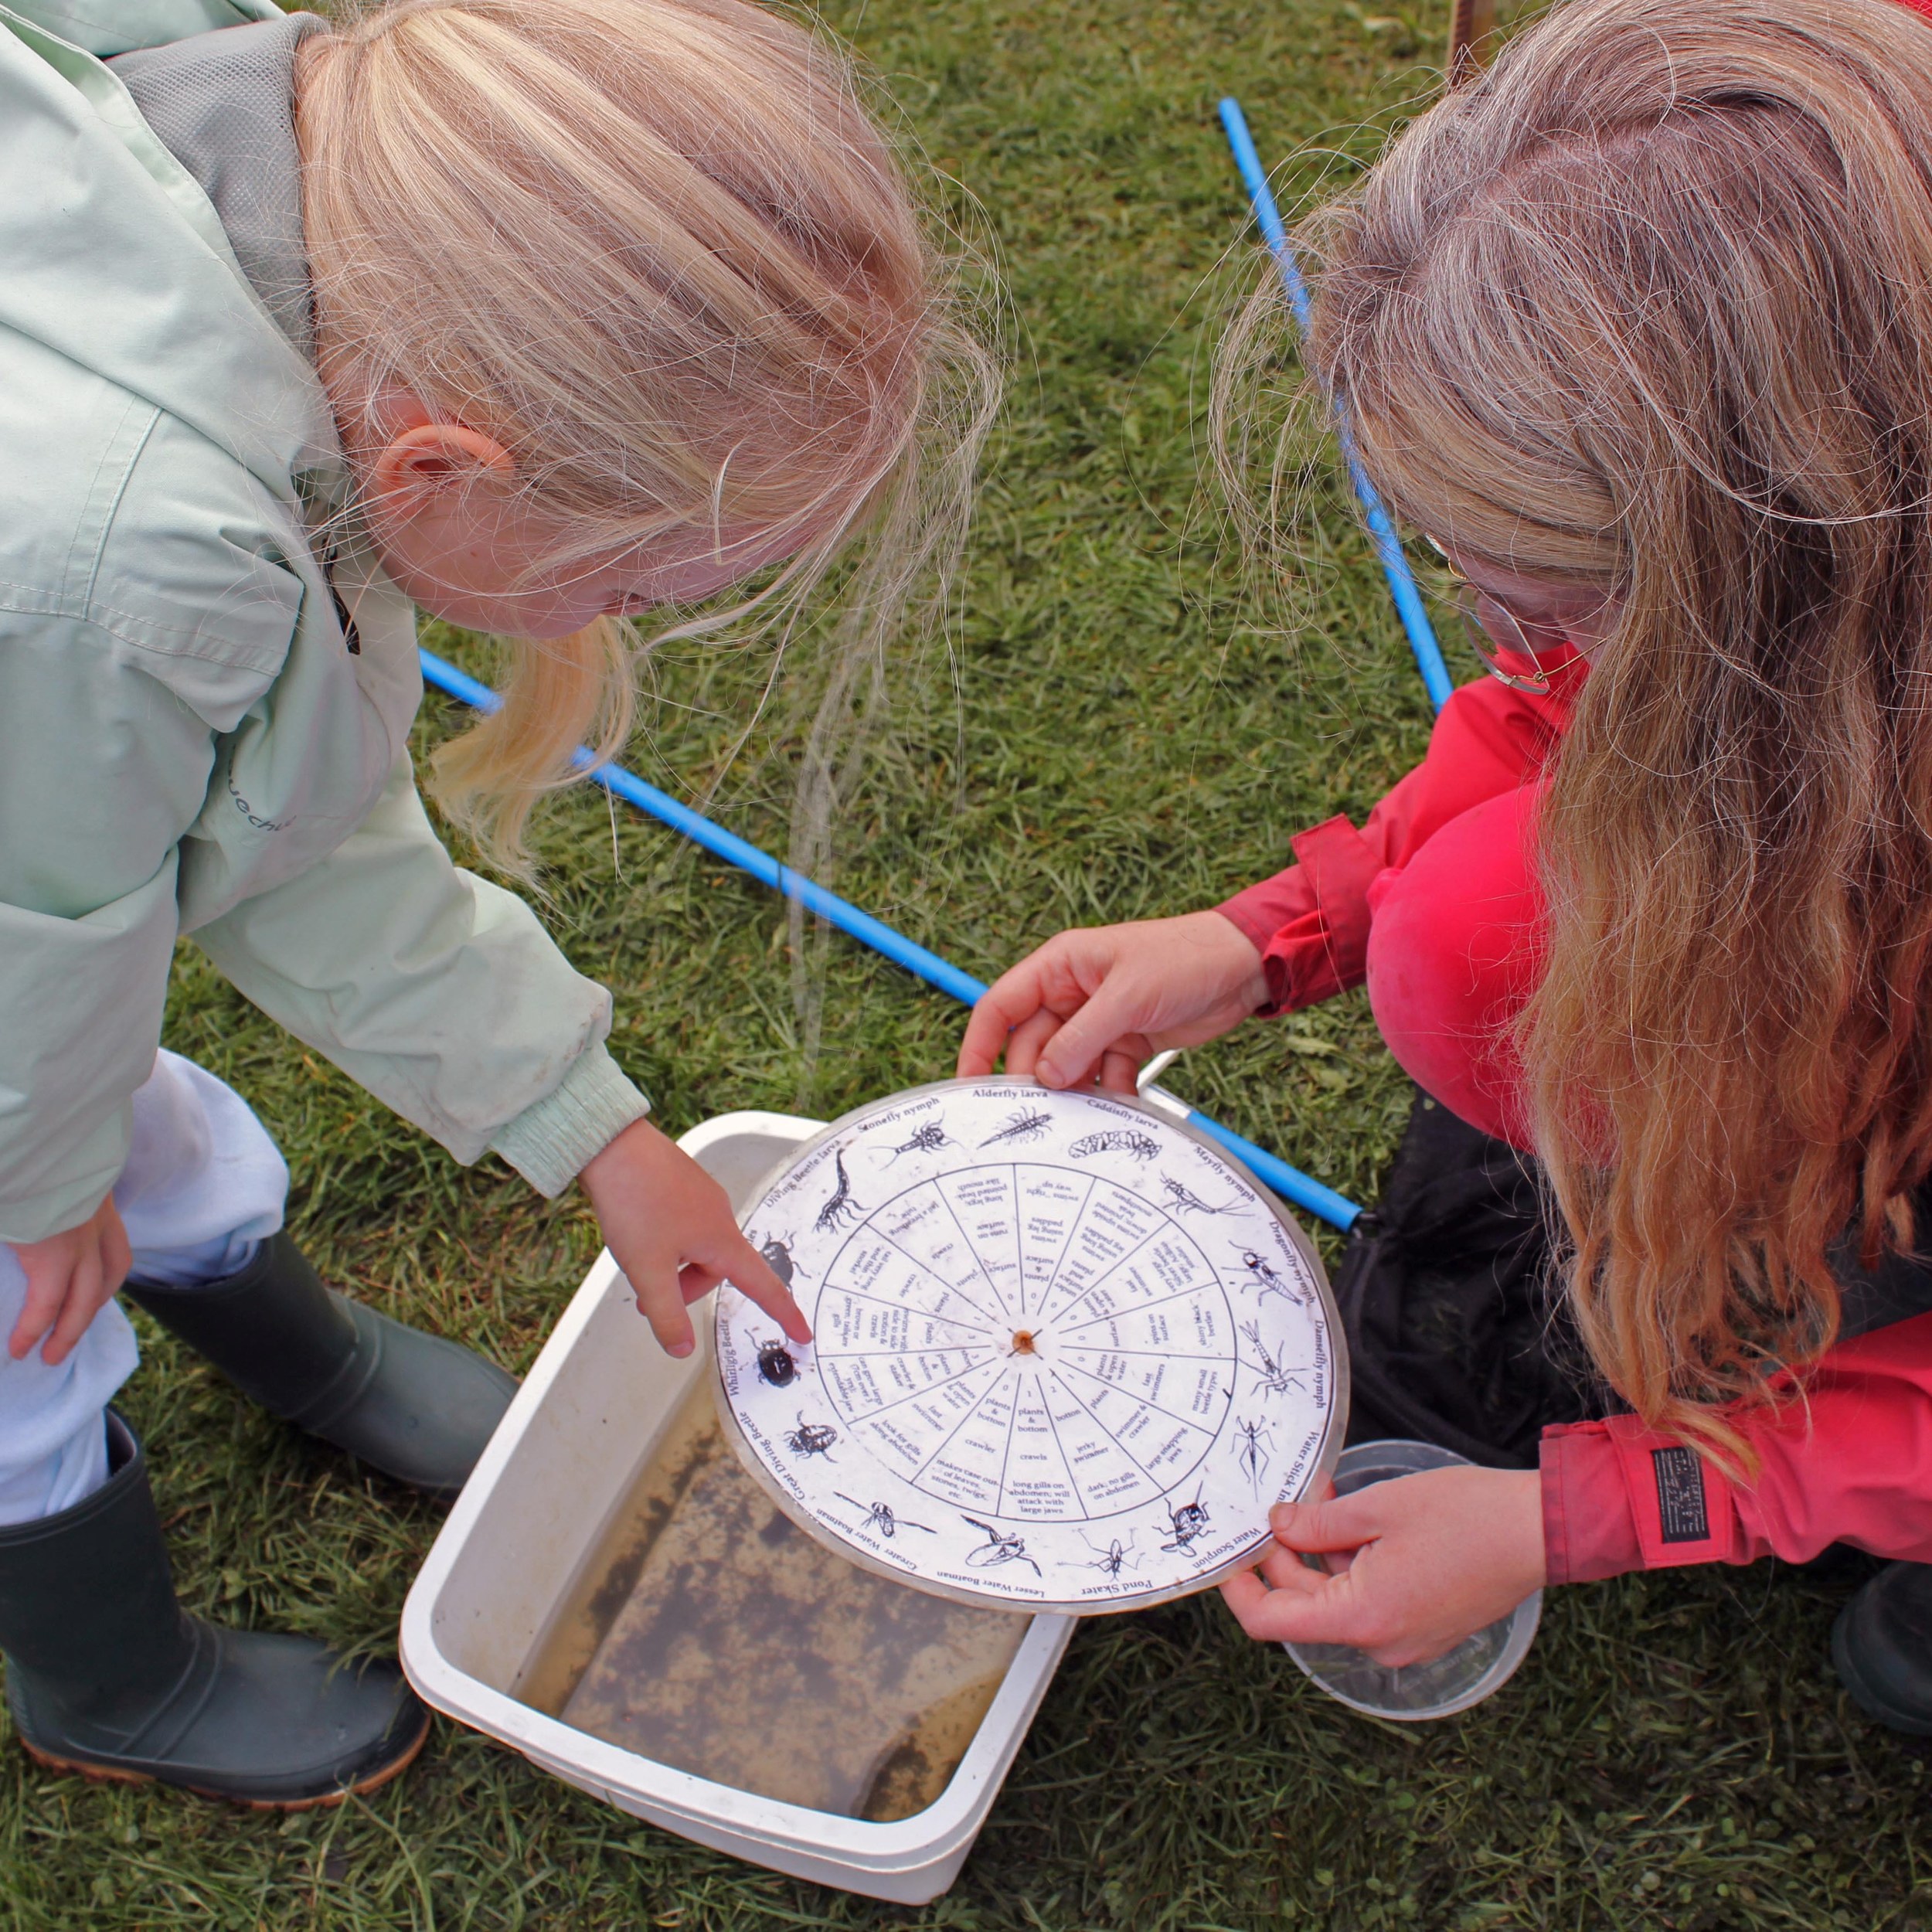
1456, 1335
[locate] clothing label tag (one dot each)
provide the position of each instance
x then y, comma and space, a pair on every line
1680, 1495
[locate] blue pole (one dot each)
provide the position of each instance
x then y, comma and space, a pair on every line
1408, 606
1290, 1182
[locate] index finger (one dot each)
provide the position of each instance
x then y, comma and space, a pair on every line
995, 1013
46, 1289
1308, 1607
752, 1276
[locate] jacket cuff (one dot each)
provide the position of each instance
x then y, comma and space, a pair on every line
1618, 1496
1261, 911
1311, 922
1588, 1532
554, 1139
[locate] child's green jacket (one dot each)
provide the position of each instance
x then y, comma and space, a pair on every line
188, 744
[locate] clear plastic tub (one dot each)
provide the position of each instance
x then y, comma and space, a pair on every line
561, 1468
1479, 1666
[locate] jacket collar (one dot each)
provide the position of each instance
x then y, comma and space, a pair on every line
117, 260
223, 105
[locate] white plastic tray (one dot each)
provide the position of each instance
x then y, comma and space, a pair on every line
561, 1463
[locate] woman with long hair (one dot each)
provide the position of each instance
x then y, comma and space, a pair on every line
1637, 331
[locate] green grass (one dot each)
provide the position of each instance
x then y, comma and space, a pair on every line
1136, 739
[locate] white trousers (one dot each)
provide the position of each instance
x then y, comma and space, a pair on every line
202, 1185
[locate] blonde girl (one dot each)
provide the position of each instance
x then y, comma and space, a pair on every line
530, 313
1638, 330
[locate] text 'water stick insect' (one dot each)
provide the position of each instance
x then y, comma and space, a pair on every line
1000, 1547
811, 1438
1118, 1139
831, 1216
882, 1517
928, 1139
1023, 1129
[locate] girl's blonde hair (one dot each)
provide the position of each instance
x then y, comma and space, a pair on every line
661, 251
1648, 310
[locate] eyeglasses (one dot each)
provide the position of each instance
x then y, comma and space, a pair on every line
1493, 627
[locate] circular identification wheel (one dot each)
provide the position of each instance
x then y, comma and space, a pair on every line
1066, 1354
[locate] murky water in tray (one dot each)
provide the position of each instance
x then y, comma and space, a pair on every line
707, 1633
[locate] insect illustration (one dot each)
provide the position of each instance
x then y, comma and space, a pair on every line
831, 1216
1264, 1276
1185, 1523
1187, 1202
777, 1257
998, 1548
811, 1438
1119, 1140
880, 1516
1254, 1463
1275, 1379
1114, 1558
775, 1365
928, 1139
1023, 1128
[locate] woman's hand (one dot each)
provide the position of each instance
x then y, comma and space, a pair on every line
672, 1229
1100, 1000
70, 1278
1423, 1562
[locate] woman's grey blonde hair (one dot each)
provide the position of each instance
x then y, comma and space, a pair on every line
662, 252
1648, 310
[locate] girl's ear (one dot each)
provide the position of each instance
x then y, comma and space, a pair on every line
431, 460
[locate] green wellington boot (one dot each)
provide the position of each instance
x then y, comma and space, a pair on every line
1881, 1646
415, 1407
108, 1675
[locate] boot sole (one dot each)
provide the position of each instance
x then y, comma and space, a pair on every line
326, 1801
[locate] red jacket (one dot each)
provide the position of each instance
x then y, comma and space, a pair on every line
1433, 903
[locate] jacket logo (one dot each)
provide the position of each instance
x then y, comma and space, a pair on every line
248, 812
1680, 1495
